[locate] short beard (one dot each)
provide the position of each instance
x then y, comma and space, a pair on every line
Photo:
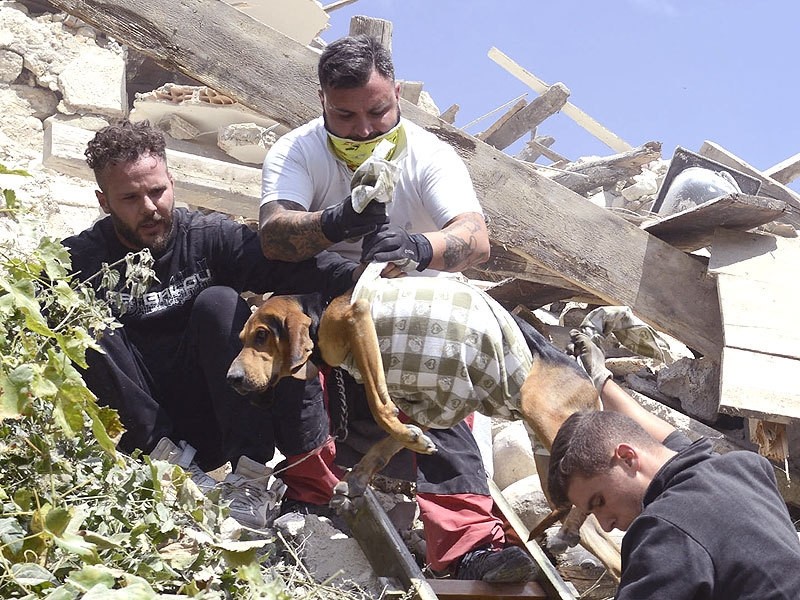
156, 247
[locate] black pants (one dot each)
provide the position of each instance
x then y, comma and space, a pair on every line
171, 383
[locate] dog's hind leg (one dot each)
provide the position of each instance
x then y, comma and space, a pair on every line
355, 482
347, 327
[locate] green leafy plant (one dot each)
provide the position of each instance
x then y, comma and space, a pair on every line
77, 518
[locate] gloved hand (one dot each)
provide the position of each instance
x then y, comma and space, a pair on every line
394, 244
374, 180
591, 357
342, 222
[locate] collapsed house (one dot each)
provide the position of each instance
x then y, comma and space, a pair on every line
568, 236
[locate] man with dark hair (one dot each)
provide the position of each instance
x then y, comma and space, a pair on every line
699, 525
421, 216
165, 369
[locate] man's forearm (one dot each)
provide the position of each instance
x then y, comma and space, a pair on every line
290, 235
461, 244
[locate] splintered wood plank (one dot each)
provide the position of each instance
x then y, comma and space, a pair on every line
551, 580
515, 108
769, 186
758, 295
603, 134
759, 316
693, 228
759, 385
383, 547
455, 589
785, 171
527, 119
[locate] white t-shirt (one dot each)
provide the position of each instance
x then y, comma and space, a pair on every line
434, 185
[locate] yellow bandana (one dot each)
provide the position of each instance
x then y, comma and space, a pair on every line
353, 153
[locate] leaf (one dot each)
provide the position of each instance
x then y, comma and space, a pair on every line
4, 170
56, 261
56, 521
13, 404
93, 575
31, 574
11, 199
11, 534
135, 588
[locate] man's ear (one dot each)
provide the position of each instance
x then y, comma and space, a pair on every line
101, 198
321, 98
627, 455
397, 91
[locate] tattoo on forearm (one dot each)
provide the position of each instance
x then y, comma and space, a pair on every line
457, 251
293, 237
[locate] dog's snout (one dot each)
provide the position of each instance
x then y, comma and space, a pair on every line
235, 376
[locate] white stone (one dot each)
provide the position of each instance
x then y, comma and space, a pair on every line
512, 454
178, 128
34, 101
246, 142
103, 92
528, 500
10, 66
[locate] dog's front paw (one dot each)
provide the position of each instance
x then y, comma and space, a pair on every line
562, 540
419, 442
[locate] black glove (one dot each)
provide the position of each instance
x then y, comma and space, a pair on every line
341, 222
591, 357
394, 244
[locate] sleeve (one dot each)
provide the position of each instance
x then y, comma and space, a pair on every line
284, 174
447, 189
662, 561
246, 269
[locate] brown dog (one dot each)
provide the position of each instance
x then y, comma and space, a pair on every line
286, 335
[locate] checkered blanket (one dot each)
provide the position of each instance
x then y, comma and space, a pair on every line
448, 349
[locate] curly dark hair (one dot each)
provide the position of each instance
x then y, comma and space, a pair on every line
124, 142
349, 61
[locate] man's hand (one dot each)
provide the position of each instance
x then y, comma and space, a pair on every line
342, 222
394, 244
591, 357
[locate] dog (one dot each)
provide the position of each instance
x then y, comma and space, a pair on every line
392, 335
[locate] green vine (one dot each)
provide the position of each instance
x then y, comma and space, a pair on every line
77, 518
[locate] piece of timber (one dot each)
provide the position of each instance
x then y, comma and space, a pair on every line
455, 589
222, 186
515, 108
540, 146
527, 119
603, 134
550, 579
769, 186
693, 228
384, 548
552, 226
585, 175
785, 171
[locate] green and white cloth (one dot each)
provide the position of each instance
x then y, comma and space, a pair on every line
448, 348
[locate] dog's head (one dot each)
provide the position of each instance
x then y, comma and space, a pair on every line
276, 344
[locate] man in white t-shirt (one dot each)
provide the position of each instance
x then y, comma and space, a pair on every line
425, 218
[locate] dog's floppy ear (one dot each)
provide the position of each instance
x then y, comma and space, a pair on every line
300, 344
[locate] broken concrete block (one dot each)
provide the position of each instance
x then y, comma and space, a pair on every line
512, 454
177, 127
10, 66
103, 93
528, 500
606, 199
695, 382
246, 142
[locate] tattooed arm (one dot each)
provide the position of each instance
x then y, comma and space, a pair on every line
288, 232
462, 243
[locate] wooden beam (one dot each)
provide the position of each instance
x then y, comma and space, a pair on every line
456, 589
785, 171
584, 175
540, 146
603, 134
692, 229
527, 119
449, 115
328, 8
545, 222
769, 187
379, 29
514, 109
